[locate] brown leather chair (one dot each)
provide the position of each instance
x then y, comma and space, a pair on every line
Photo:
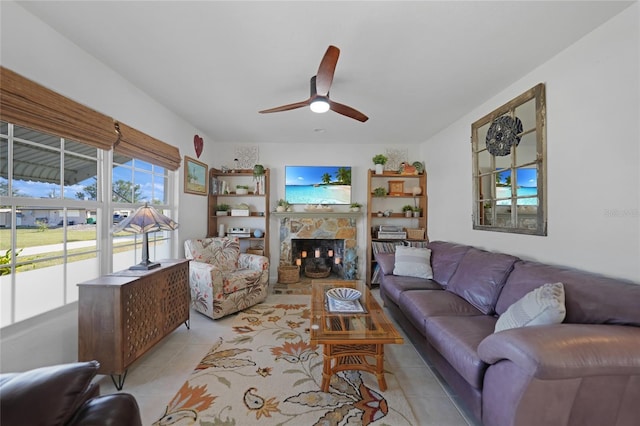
63, 395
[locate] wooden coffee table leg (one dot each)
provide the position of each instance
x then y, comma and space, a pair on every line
382, 383
326, 368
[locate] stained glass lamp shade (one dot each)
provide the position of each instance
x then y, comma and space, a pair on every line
144, 220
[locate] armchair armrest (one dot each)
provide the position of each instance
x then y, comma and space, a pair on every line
567, 350
253, 261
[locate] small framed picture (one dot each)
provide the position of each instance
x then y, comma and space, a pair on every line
396, 187
195, 176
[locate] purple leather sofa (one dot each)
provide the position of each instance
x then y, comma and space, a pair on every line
585, 371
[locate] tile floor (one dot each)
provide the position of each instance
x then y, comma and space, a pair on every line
155, 378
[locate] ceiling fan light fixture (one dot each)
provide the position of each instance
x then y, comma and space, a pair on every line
319, 105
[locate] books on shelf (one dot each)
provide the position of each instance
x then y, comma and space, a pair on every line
218, 186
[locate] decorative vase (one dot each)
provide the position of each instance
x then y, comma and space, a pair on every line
416, 214
408, 213
379, 169
280, 209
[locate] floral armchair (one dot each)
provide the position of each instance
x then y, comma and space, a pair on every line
223, 280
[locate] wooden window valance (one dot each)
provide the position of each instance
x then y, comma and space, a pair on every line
29, 104
134, 143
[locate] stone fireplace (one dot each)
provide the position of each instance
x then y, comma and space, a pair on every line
320, 242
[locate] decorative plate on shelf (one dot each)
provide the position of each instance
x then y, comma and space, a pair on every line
344, 293
503, 134
419, 166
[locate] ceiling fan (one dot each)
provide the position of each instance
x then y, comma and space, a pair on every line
320, 84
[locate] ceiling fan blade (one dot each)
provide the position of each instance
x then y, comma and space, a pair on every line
347, 111
287, 107
326, 70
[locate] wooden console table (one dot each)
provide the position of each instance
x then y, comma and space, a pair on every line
123, 315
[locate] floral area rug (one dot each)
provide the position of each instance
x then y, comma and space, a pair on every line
266, 373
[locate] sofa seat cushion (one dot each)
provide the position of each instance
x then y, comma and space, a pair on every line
457, 338
393, 286
419, 305
240, 279
480, 277
445, 257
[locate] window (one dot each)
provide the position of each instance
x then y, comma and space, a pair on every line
54, 207
135, 182
509, 150
47, 243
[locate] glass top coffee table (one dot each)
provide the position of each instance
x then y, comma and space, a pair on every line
351, 340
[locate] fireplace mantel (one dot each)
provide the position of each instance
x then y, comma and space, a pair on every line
316, 214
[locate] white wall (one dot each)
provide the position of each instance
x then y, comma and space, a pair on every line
593, 177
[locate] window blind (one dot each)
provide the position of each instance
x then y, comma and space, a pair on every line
26, 103
29, 104
134, 143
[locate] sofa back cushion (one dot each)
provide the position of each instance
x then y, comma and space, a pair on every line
589, 298
222, 252
480, 277
445, 257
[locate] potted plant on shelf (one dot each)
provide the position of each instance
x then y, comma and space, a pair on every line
222, 209
283, 205
417, 211
379, 192
242, 189
379, 160
355, 207
408, 210
258, 177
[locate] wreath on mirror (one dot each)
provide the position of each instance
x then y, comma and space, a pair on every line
503, 134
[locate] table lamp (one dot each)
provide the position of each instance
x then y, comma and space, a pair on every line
144, 220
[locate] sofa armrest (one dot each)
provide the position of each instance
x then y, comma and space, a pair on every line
386, 262
116, 409
566, 350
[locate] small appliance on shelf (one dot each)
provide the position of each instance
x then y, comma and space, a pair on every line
239, 232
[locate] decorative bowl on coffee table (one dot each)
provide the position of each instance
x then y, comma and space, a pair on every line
344, 293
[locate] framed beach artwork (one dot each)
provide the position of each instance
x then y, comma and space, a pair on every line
195, 176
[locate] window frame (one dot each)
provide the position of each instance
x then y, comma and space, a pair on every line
512, 223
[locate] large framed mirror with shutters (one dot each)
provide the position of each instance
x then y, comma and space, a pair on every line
509, 166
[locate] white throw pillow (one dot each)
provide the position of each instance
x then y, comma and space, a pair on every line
542, 306
413, 262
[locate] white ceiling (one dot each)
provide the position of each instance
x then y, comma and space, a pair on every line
413, 67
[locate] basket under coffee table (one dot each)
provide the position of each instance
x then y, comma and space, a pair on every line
352, 341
